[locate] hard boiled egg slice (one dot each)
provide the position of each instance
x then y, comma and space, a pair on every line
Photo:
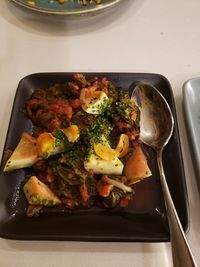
105, 151
72, 132
96, 103
95, 164
24, 155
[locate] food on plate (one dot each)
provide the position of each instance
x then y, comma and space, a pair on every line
24, 155
84, 149
85, 2
123, 145
38, 193
96, 164
49, 144
32, 3
96, 103
136, 167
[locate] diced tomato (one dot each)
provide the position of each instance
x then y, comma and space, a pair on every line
76, 103
88, 94
39, 94
104, 189
90, 90
84, 192
61, 106
50, 175
69, 112
85, 94
104, 81
32, 104
38, 113
54, 124
53, 107
124, 202
78, 76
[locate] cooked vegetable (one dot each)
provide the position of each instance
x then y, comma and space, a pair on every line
96, 103
136, 167
72, 133
50, 144
38, 193
45, 145
117, 184
95, 164
105, 152
32, 3
114, 198
123, 145
84, 150
85, 2
24, 155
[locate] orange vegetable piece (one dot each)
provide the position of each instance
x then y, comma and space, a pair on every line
136, 167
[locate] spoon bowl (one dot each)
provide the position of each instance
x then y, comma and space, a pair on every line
156, 128
157, 123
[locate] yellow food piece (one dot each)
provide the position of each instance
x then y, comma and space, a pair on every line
38, 193
97, 164
136, 167
24, 155
105, 152
45, 144
123, 145
31, 3
61, 1
96, 103
72, 133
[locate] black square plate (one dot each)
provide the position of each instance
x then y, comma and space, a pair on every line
143, 220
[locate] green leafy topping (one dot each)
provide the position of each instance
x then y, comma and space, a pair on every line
40, 201
60, 138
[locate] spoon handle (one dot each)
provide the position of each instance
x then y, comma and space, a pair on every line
182, 255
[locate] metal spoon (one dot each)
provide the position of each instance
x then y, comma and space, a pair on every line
156, 127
